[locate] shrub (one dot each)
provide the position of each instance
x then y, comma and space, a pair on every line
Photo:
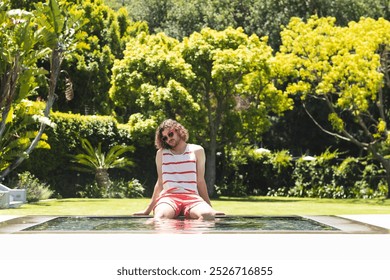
36, 190
372, 183
253, 172
327, 176
123, 189
118, 189
233, 179
55, 164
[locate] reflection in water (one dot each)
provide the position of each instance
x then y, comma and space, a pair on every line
181, 225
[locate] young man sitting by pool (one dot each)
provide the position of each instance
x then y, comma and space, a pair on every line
181, 188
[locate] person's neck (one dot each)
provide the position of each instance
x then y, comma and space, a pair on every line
180, 148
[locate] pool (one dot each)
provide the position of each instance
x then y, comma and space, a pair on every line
222, 224
225, 224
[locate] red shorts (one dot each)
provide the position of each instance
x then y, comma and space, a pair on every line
180, 202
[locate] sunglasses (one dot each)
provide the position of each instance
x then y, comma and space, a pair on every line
170, 135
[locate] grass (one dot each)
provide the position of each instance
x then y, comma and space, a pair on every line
231, 206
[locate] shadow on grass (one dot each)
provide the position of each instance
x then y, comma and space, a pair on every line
53, 202
77, 200
40, 203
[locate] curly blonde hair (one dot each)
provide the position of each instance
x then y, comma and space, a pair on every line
171, 125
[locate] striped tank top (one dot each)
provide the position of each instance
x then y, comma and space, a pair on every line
179, 171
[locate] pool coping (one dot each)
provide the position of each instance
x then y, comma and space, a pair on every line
343, 225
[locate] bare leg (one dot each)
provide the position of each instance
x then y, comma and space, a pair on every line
202, 211
164, 211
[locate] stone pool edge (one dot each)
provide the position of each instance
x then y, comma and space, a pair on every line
344, 225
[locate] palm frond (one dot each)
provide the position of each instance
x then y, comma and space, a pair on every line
116, 151
95, 158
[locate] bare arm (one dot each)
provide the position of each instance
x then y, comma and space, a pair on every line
149, 208
157, 188
200, 167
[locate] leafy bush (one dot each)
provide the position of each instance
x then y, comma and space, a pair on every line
240, 170
255, 172
372, 183
36, 190
235, 188
123, 189
262, 172
327, 176
55, 164
118, 189
89, 190
233, 179
20, 131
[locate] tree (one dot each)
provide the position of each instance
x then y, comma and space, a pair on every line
218, 84
53, 35
181, 18
95, 161
152, 80
234, 86
154, 12
20, 130
18, 70
185, 17
263, 18
346, 69
149, 84
101, 39
106, 33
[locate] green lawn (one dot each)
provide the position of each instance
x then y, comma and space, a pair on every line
231, 206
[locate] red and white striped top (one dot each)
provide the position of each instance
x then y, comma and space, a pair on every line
179, 171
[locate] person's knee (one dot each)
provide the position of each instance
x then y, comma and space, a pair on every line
164, 211
163, 215
206, 216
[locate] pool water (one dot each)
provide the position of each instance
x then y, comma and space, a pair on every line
149, 225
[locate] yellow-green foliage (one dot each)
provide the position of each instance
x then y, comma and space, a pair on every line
21, 128
345, 70
336, 60
71, 127
65, 140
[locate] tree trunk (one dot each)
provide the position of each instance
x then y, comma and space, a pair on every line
8, 91
211, 169
102, 179
55, 67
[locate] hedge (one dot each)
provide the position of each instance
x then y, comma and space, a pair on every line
54, 165
241, 171
328, 175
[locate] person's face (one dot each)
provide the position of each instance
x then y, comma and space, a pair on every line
170, 137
